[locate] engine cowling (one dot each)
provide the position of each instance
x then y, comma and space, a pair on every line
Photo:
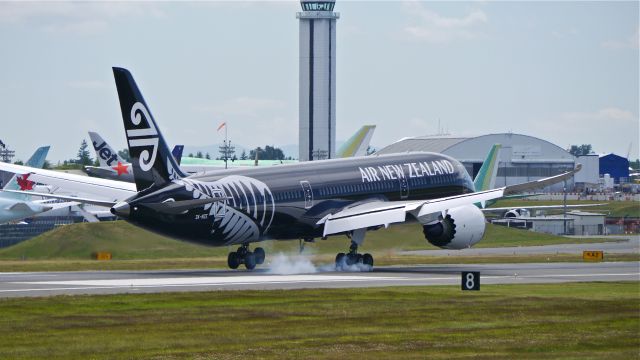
516, 213
461, 228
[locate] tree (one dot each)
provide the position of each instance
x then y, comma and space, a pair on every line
19, 162
199, 154
47, 164
243, 156
584, 149
207, 156
84, 157
124, 154
190, 155
635, 164
269, 153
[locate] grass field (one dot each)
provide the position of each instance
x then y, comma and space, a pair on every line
572, 321
70, 248
127, 242
612, 208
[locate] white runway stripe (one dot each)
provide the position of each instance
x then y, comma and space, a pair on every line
230, 280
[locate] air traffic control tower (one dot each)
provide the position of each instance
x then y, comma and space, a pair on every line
317, 92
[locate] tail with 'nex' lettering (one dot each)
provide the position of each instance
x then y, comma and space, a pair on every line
151, 158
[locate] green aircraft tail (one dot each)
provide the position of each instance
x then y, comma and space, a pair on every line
486, 178
357, 145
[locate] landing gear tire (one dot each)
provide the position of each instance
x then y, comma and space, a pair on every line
233, 260
259, 253
353, 258
250, 261
246, 257
340, 261
367, 259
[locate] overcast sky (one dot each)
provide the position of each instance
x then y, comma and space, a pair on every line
566, 72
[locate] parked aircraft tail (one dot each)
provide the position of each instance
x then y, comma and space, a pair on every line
486, 178
357, 144
22, 182
177, 153
151, 158
107, 156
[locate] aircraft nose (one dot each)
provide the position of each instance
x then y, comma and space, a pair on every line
122, 209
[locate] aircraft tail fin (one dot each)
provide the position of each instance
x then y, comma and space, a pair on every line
39, 156
357, 144
18, 181
151, 159
177, 153
486, 178
107, 156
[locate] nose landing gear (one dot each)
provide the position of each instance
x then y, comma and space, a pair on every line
246, 257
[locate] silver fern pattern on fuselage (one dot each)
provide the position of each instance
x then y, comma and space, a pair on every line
247, 213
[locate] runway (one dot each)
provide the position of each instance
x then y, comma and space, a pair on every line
119, 282
628, 244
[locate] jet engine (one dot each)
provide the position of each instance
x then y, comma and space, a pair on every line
461, 228
516, 213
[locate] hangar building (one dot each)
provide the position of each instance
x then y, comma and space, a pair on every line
616, 166
523, 158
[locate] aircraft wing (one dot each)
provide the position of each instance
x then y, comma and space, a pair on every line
108, 189
383, 213
74, 200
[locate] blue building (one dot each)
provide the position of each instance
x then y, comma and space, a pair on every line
616, 166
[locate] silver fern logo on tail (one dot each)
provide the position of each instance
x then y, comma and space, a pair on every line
173, 174
145, 137
245, 216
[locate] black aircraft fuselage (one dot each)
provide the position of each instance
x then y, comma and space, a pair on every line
287, 201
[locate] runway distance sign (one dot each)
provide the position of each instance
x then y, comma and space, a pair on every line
594, 255
471, 280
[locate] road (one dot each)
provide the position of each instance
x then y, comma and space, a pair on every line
118, 282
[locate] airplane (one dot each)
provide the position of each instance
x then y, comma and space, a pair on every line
112, 165
486, 179
14, 207
296, 201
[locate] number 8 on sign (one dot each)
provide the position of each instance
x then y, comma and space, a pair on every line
470, 280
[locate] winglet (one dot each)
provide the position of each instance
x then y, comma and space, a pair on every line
151, 159
358, 143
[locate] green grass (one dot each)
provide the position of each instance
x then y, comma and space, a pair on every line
70, 247
127, 242
576, 320
612, 208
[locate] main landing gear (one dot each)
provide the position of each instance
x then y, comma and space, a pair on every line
246, 257
354, 260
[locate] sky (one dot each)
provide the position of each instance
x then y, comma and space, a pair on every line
566, 72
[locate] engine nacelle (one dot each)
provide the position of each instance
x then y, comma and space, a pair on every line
516, 213
461, 228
